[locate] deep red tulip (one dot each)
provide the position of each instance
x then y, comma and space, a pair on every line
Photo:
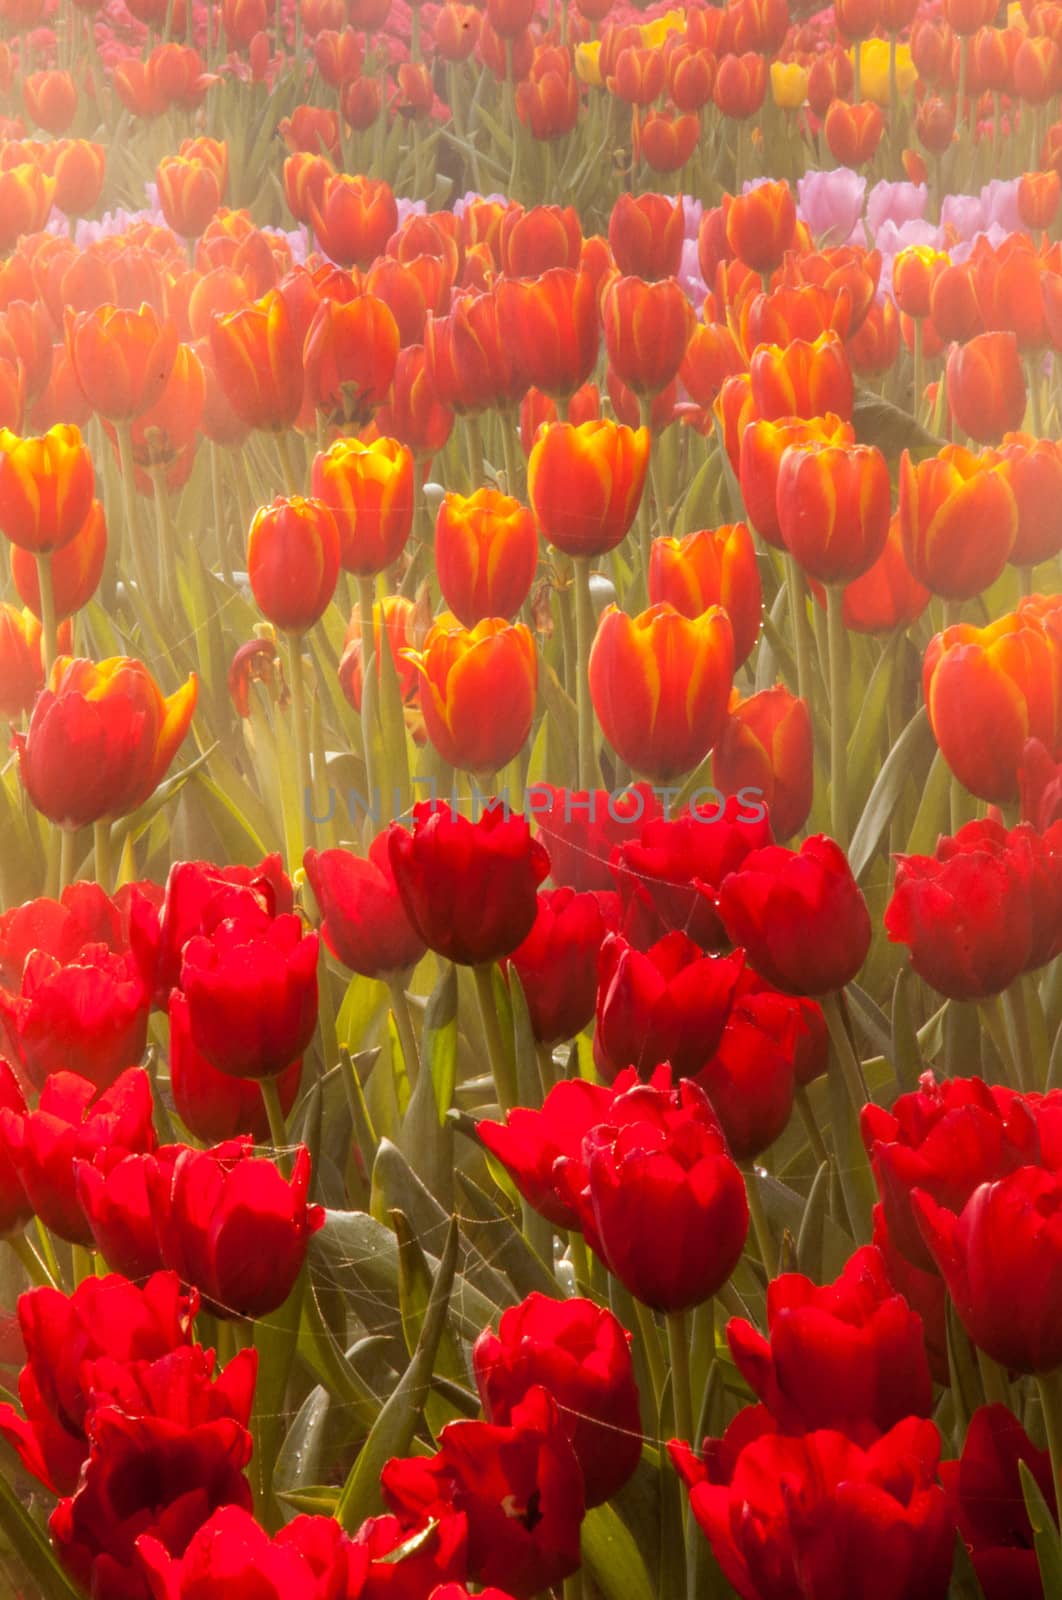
750, 1079
469, 888
214, 1105
198, 896
580, 828
669, 1004
580, 1354
233, 1227
529, 1144
15, 1209
310, 1558
987, 1488
799, 915
117, 1204
557, 962
364, 923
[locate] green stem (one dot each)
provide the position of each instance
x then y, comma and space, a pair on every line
811, 1126
35, 1269
760, 1225
1017, 1017
49, 626
654, 1356
369, 679
991, 1013
798, 614
287, 462
848, 1096
838, 655
302, 822
1050, 1386
584, 638
580, 1259
678, 1345
101, 853
500, 1065
83, 1264
167, 553
278, 1128
67, 841
407, 1036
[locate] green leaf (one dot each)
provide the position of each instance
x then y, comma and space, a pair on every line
358, 1011
613, 1558
893, 429
492, 1230
1045, 1532
30, 1545
812, 1223
907, 757
932, 818
394, 1429
906, 1052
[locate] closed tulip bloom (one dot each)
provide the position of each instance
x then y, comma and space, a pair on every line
765, 753
888, 595
585, 483
529, 1144
789, 1515
988, 1490
21, 666
363, 921
456, 31
552, 328
469, 888
46, 488
539, 240
233, 1227
232, 1550
369, 490
874, 348
670, 1003
557, 962
349, 358
740, 85
118, 1210
477, 692
415, 415
259, 363
76, 568
1038, 197
848, 1355
293, 561
580, 828
87, 1014
762, 445
1005, 1238
580, 1354
645, 234
958, 521
660, 683
355, 218
305, 176
986, 386
647, 328
803, 380
214, 1105
853, 133
659, 1198
714, 566
760, 225
914, 271
189, 194
26, 197
799, 915
486, 551
251, 987
100, 739
667, 143
467, 355
122, 358
50, 99
1033, 468
834, 507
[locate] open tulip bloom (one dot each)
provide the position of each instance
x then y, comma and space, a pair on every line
531, 841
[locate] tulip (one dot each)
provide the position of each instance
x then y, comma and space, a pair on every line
853, 133
669, 1004
1038, 197
486, 551
986, 386
456, 31
293, 561
117, 1207
760, 225
658, 1197
21, 665
305, 176
86, 1013
914, 271
26, 197
214, 1105
647, 328
349, 358
958, 521
369, 489
944, 1140
1033, 468
251, 987
711, 567
530, 1144
765, 751
393, 621
258, 363
580, 1354
762, 446
100, 739
551, 324
667, 143
884, 1505
122, 358
46, 488
799, 916
415, 415
557, 962
189, 194
834, 506
232, 1550
75, 1120
491, 868
831, 76
355, 218
711, 357
888, 595
659, 684
467, 356
581, 829
803, 380
364, 923
988, 1477
645, 234
740, 85
539, 240
585, 482
478, 689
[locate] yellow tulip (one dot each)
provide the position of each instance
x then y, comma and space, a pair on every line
789, 84
588, 63
654, 33
874, 70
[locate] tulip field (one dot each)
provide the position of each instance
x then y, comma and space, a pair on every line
531, 812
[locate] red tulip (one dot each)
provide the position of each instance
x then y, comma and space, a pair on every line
364, 923
557, 962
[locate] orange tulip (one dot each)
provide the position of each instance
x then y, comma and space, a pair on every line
468, 359
765, 754
259, 363
76, 568
26, 197
77, 165
639, 75
293, 561
659, 683
647, 328
305, 176
169, 427
1038, 197
349, 357
711, 357
338, 56
959, 521
712, 567
477, 691
888, 595
122, 358
414, 414
189, 194
12, 394
456, 31
532, 242
645, 234
986, 386
1033, 468
100, 739
242, 20
762, 446
802, 380
355, 218
1036, 69
666, 143
834, 503
585, 483
913, 273
50, 99
551, 327
538, 411
740, 85
793, 311
988, 690
398, 617
734, 409
46, 487
410, 289
369, 490
760, 225
853, 133
547, 101
486, 551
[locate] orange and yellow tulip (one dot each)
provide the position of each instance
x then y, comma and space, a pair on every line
477, 691
762, 446
585, 483
551, 326
958, 519
122, 358
486, 551
355, 218
834, 502
712, 567
76, 568
46, 488
803, 379
647, 328
189, 194
765, 753
349, 357
293, 561
259, 363
760, 225
986, 386
369, 490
